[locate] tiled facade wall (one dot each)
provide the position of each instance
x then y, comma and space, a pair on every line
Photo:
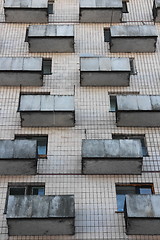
95, 196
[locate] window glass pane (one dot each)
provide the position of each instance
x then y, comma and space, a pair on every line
42, 147
50, 8
113, 103
107, 34
17, 191
120, 202
47, 66
38, 191
124, 9
145, 190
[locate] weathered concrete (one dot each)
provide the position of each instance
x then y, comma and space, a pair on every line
41, 215
47, 111
138, 111
18, 157
21, 71
142, 214
101, 71
27, 11
99, 11
51, 38
111, 156
156, 10
133, 38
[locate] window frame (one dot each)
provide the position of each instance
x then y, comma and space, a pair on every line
136, 185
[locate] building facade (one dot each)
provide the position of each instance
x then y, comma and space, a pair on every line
59, 100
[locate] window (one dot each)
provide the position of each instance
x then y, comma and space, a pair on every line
21, 189
26, 36
113, 103
47, 66
137, 136
107, 34
124, 7
50, 8
133, 66
42, 142
122, 190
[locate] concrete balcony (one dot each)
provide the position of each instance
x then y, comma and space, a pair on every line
111, 156
138, 111
40, 215
28, 11
21, 71
18, 157
142, 214
101, 71
47, 111
51, 38
133, 39
96, 11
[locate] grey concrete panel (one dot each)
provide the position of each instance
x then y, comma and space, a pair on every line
138, 119
104, 64
100, 15
127, 102
142, 214
40, 227
52, 45
26, 4
51, 31
133, 44
105, 78
47, 103
93, 149
30, 103
47, 119
64, 119
25, 149
144, 103
64, 103
26, 15
28, 206
133, 31
20, 64
114, 148
21, 78
112, 166
100, 4
6, 149
155, 101
18, 167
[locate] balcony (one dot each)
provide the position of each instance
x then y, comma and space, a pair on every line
133, 39
138, 111
28, 11
101, 71
40, 215
142, 214
51, 38
21, 71
18, 157
47, 111
105, 11
111, 156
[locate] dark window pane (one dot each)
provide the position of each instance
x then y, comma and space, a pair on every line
107, 34
50, 8
42, 146
133, 66
17, 191
113, 103
26, 37
38, 191
47, 66
124, 9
